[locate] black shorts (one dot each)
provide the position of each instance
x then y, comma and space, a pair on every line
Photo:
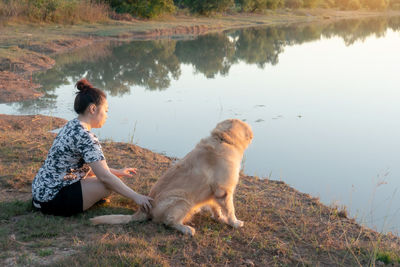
68, 201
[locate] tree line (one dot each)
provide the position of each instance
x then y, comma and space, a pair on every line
73, 11
154, 8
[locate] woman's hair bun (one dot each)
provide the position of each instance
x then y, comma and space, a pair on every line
87, 95
83, 85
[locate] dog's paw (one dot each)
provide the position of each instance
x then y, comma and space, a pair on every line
237, 224
188, 230
220, 218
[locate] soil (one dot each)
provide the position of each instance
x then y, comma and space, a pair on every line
14, 87
29, 123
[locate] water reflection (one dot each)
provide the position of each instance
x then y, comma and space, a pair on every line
116, 66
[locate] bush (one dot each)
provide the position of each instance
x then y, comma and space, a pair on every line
310, 3
43, 10
294, 3
376, 4
327, 4
258, 5
12, 8
394, 4
207, 7
353, 5
143, 8
252, 5
274, 4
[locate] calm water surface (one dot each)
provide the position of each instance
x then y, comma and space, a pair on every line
323, 102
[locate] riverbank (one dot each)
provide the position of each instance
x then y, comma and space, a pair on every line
26, 49
282, 225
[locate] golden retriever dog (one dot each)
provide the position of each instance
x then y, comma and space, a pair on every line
206, 177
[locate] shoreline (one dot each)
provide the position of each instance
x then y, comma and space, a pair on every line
282, 225
26, 49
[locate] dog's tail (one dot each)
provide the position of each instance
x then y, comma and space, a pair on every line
139, 216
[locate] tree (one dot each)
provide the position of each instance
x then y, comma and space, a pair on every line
143, 8
207, 7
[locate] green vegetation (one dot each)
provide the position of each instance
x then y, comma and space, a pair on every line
76, 11
12, 209
388, 257
207, 7
258, 5
394, 4
143, 8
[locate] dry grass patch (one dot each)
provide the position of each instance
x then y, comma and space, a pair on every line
283, 227
53, 11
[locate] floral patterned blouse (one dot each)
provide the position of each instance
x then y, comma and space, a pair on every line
67, 160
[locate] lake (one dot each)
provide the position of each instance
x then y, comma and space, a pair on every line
322, 99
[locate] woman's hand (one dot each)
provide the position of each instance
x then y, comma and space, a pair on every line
144, 202
108, 177
123, 173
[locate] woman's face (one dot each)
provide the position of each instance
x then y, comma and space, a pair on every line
100, 115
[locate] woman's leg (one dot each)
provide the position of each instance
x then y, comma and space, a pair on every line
92, 191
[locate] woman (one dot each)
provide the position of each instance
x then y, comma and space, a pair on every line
75, 174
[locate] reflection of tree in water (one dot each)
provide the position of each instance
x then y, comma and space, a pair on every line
144, 63
259, 46
394, 23
59, 75
152, 64
117, 67
209, 54
358, 30
47, 102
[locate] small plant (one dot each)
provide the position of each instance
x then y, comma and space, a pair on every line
387, 257
132, 137
45, 252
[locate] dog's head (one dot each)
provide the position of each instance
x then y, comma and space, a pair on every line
234, 132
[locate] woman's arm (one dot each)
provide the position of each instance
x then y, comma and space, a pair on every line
125, 172
104, 174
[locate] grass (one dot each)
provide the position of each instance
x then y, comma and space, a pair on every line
283, 227
388, 257
45, 252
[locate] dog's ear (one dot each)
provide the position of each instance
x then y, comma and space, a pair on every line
222, 131
249, 133
223, 136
